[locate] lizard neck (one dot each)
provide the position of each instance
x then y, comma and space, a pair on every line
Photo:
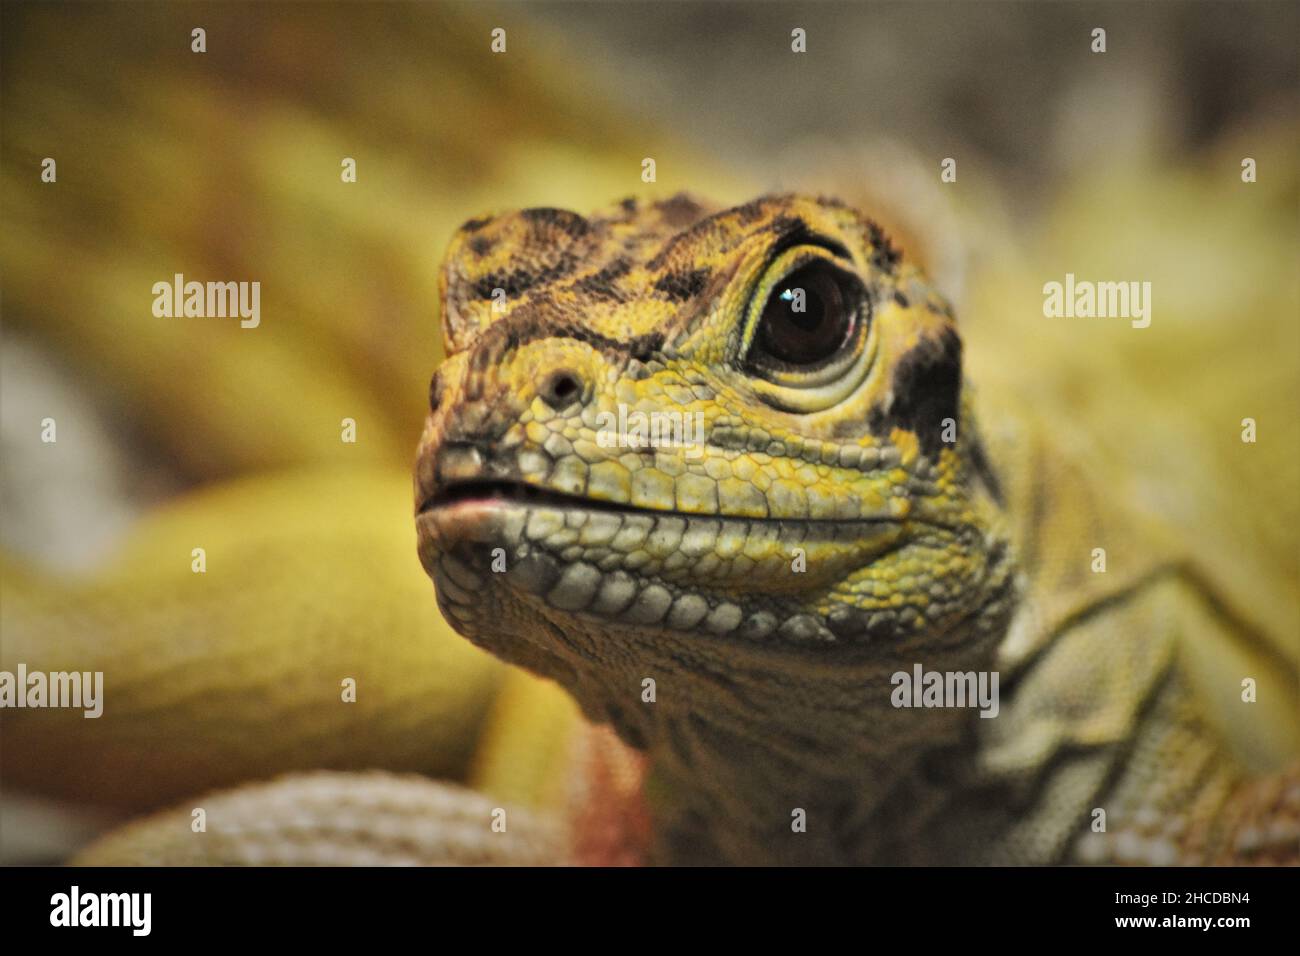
819, 767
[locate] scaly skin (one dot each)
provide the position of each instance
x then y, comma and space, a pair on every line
614, 565
335, 819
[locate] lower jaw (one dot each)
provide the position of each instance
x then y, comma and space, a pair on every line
718, 576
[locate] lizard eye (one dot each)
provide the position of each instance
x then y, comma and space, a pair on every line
806, 336
808, 317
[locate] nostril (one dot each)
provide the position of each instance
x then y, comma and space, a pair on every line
561, 388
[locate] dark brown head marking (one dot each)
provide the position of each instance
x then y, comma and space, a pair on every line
883, 254
682, 286
926, 389
602, 283
518, 281
547, 220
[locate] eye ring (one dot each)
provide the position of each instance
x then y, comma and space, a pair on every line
808, 358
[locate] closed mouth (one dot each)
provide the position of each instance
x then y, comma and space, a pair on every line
515, 493
642, 566
525, 495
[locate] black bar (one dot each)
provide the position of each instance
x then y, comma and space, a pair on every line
617, 907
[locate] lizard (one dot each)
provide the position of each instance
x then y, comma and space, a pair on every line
844, 519
936, 526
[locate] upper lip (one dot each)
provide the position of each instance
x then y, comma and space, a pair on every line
517, 491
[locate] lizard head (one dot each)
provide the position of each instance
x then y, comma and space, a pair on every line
670, 439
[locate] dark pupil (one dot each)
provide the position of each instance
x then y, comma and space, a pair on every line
813, 334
